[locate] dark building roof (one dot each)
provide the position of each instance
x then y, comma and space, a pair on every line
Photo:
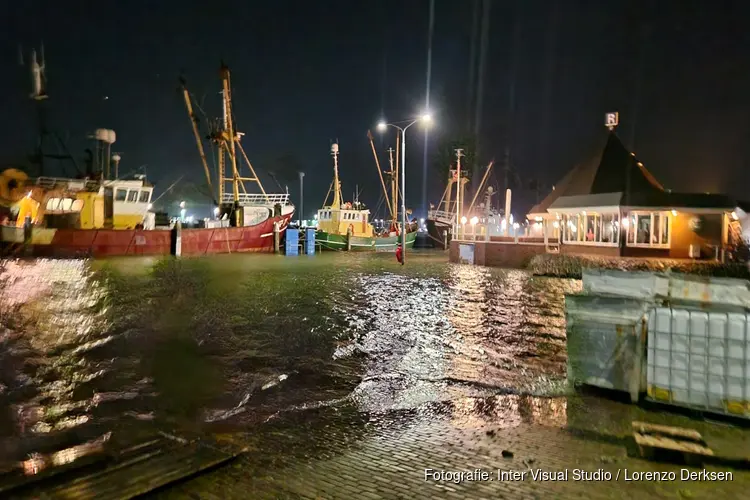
613, 170
617, 172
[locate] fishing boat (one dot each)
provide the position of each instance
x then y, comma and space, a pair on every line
101, 213
346, 226
449, 217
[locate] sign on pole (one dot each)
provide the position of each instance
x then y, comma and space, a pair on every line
611, 120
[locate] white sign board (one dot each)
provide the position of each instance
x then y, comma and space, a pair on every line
612, 119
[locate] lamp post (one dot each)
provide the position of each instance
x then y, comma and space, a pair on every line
382, 126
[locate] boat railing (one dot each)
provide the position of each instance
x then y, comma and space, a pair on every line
69, 184
442, 216
256, 199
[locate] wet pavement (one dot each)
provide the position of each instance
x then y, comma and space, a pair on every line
345, 374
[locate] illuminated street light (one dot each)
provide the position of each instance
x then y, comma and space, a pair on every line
182, 204
426, 118
474, 220
463, 220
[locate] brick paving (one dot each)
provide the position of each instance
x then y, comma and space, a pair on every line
339, 454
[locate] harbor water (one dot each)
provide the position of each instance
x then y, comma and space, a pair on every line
231, 343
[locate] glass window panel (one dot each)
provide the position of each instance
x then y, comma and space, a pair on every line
607, 235
656, 233
121, 194
632, 229
665, 229
132, 196
591, 228
145, 195
580, 231
77, 205
643, 233
65, 204
52, 203
615, 228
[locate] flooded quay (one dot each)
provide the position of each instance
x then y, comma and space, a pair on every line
316, 365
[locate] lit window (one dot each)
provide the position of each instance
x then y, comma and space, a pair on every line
77, 206
52, 204
121, 194
132, 196
65, 204
145, 195
649, 229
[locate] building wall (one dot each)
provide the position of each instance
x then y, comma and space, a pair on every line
710, 234
496, 254
589, 250
663, 253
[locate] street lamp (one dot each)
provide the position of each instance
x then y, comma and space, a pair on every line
382, 127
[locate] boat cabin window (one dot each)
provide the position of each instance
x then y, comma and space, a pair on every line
121, 194
132, 196
145, 195
63, 205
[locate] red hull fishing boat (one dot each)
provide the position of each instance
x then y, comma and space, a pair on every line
99, 215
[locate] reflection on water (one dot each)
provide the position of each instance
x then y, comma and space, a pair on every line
88, 348
510, 411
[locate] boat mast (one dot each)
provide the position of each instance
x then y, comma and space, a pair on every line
228, 132
336, 184
394, 188
194, 123
459, 154
380, 174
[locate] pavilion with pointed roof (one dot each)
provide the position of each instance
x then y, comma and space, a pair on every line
612, 205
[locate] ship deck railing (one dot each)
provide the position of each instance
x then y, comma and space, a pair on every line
257, 199
442, 216
69, 184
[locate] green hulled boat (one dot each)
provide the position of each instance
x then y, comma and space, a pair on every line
346, 226
330, 241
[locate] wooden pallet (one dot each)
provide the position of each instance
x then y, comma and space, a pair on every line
673, 444
118, 475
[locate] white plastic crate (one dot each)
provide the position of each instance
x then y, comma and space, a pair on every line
699, 358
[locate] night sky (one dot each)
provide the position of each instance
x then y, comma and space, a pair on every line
308, 72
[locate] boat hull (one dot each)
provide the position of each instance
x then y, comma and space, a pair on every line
330, 241
436, 230
100, 243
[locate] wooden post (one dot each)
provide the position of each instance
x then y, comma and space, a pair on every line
28, 229
348, 239
276, 237
177, 239
445, 239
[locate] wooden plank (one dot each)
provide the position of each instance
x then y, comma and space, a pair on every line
143, 473
666, 443
675, 432
122, 474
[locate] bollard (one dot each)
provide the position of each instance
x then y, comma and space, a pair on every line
276, 237
310, 241
291, 241
348, 239
445, 239
28, 229
176, 243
